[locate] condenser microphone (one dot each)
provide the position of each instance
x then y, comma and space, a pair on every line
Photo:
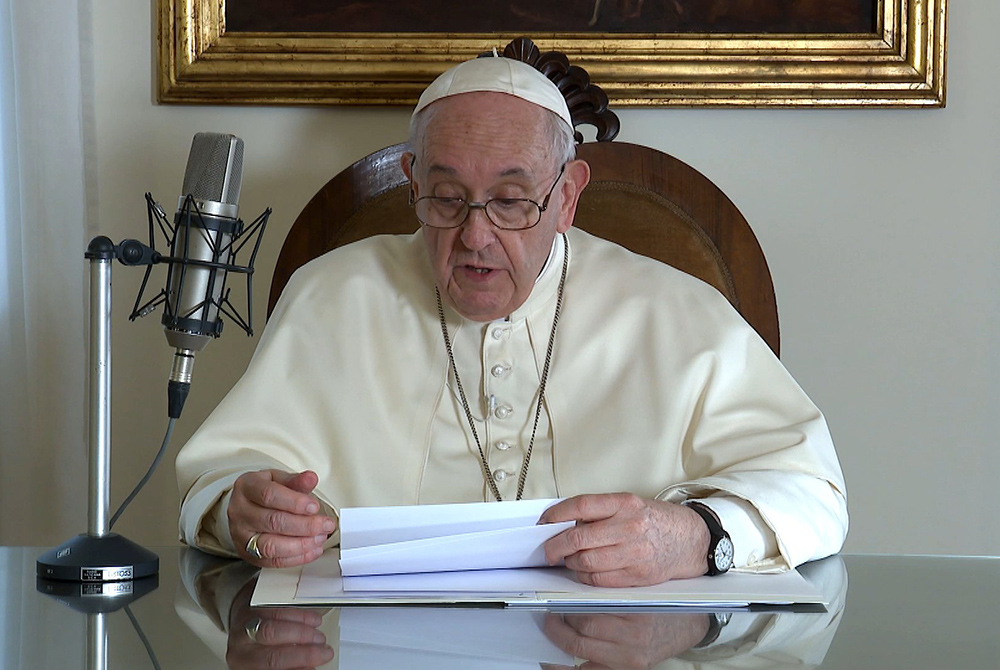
206, 224
204, 238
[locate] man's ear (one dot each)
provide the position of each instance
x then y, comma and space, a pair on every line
406, 164
575, 179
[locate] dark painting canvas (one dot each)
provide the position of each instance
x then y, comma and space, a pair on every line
562, 16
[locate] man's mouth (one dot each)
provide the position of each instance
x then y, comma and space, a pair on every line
477, 269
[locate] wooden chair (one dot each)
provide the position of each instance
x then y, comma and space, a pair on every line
638, 197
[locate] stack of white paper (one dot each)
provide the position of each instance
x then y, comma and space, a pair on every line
444, 538
485, 553
320, 583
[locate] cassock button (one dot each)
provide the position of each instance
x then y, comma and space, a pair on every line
503, 411
500, 475
503, 445
499, 370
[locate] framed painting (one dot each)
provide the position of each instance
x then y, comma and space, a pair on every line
785, 53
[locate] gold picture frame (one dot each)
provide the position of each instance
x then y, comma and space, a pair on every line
902, 64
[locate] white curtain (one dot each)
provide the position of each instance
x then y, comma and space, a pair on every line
46, 182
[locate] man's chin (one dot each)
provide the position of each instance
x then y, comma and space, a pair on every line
481, 315
478, 300
480, 308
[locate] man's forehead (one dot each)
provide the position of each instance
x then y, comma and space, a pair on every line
436, 168
490, 132
475, 106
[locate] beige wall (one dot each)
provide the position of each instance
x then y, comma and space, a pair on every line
880, 227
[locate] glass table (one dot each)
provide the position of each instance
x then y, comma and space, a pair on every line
886, 612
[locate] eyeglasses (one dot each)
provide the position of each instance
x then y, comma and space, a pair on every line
504, 213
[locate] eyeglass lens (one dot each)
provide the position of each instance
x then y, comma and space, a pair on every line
510, 213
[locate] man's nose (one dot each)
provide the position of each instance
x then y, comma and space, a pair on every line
477, 231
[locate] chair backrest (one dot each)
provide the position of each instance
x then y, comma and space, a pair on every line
638, 197
656, 205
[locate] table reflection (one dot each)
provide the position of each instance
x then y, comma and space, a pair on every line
641, 640
215, 603
274, 638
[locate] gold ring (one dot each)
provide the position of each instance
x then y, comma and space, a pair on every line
251, 628
252, 549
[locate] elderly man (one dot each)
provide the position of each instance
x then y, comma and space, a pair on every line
498, 353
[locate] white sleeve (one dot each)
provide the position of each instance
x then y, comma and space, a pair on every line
806, 515
752, 540
204, 518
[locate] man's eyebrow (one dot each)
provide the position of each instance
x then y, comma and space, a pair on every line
441, 169
515, 172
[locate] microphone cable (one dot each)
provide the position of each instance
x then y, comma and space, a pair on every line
149, 473
143, 638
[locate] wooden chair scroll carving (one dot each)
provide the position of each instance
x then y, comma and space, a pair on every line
641, 198
588, 104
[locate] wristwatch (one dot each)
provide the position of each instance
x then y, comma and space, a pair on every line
720, 545
716, 623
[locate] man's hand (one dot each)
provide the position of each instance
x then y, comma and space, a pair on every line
623, 540
274, 638
625, 641
281, 507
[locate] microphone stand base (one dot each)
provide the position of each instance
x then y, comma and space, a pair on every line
96, 560
97, 597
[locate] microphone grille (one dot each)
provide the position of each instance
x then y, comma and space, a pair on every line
215, 168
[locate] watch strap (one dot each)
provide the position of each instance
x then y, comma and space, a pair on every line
717, 621
716, 533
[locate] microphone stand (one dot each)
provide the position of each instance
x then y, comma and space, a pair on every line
100, 562
97, 641
99, 559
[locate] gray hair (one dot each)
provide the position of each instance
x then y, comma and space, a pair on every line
563, 142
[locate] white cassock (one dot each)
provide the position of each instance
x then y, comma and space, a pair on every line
657, 386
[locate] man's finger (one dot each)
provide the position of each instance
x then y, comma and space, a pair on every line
290, 561
564, 636
274, 632
611, 579
295, 525
588, 507
604, 626
296, 656
303, 482
275, 548
287, 656
297, 615
580, 538
295, 561
575, 643
266, 492
602, 559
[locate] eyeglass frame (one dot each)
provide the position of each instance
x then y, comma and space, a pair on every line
469, 206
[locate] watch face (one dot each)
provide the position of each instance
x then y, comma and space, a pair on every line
724, 554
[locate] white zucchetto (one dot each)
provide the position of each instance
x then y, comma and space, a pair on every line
500, 75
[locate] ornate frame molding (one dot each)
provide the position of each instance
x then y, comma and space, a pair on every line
901, 65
